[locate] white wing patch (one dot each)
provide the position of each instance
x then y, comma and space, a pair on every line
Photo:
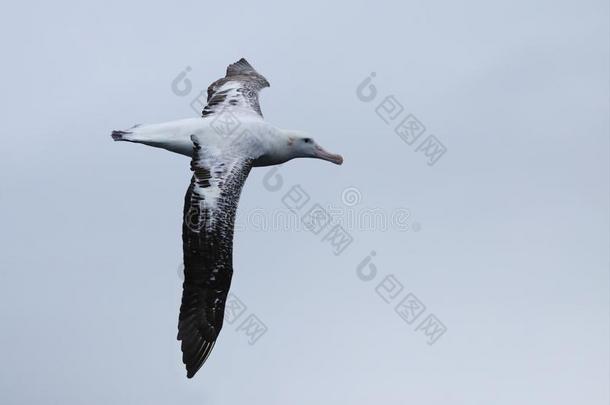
211, 192
215, 171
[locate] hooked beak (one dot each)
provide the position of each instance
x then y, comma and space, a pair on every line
331, 157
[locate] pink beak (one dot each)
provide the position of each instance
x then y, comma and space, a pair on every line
331, 157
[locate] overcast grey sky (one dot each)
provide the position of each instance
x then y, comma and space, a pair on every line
504, 239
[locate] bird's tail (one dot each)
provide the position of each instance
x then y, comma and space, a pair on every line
120, 135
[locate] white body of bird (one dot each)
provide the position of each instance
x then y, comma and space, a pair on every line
265, 144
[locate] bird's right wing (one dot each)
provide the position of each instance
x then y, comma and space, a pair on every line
237, 91
207, 236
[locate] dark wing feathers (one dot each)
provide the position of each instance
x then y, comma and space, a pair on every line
209, 216
237, 90
207, 236
242, 67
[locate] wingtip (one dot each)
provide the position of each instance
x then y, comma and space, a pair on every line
240, 67
192, 370
243, 62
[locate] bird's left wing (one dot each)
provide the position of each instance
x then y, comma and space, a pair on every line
207, 236
237, 91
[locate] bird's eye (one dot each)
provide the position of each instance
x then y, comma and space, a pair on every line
307, 140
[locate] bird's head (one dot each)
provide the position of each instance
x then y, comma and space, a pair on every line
303, 146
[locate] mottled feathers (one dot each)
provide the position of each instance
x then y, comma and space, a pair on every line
238, 90
207, 234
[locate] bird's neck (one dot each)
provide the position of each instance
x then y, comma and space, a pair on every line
277, 148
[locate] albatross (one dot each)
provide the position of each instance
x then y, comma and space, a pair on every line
229, 139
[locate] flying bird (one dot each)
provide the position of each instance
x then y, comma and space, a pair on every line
228, 139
